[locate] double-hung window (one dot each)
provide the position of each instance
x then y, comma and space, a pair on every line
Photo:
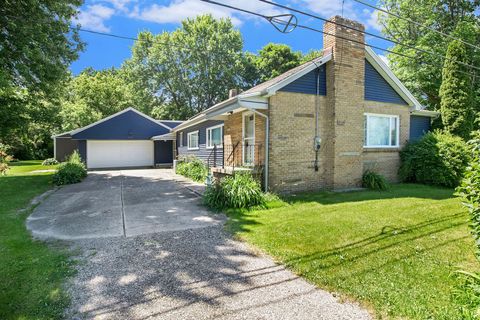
381, 131
215, 136
192, 140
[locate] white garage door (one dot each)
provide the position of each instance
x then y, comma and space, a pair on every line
119, 153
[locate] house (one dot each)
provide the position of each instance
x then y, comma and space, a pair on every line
319, 125
128, 138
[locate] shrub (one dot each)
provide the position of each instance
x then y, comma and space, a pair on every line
193, 168
438, 158
5, 159
72, 171
75, 158
374, 181
467, 294
49, 162
238, 191
469, 191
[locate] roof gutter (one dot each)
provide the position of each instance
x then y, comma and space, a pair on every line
425, 113
202, 116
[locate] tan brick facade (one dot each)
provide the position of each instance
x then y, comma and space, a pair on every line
233, 134
342, 158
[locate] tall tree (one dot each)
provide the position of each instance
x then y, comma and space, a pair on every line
93, 95
37, 45
274, 59
423, 75
456, 93
191, 68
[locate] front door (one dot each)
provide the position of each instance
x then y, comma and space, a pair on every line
248, 139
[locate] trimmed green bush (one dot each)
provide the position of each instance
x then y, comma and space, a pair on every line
72, 171
238, 191
49, 162
438, 158
193, 168
374, 181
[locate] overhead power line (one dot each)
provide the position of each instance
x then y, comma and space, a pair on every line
368, 33
270, 19
416, 23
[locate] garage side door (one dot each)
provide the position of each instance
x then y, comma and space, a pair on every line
119, 153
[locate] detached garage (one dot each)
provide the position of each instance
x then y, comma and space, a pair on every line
125, 139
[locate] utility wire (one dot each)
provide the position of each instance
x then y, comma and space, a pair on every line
368, 33
416, 23
270, 19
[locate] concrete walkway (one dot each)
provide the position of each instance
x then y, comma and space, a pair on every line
121, 203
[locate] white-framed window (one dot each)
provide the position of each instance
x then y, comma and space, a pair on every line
180, 138
381, 131
215, 136
192, 140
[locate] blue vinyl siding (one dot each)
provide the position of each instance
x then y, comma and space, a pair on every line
163, 151
171, 123
308, 83
202, 152
82, 150
418, 127
378, 89
126, 126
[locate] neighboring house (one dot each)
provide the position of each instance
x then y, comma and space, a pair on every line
128, 138
319, 125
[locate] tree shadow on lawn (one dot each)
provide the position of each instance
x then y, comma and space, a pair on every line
395, 191
388, 238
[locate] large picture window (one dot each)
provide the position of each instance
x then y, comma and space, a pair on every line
381, 131
215, 136
192, 140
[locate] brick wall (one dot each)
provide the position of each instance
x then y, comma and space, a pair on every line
342, 157
292, 132
233, 131
387, 161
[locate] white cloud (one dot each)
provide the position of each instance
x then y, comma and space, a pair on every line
179, 10
94, 17
120, 5
372, 21
330, 8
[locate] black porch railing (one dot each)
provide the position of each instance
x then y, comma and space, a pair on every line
236, 155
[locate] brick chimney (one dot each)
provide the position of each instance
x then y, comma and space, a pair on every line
345, 101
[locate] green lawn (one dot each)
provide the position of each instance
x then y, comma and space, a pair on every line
393, 251
31, 273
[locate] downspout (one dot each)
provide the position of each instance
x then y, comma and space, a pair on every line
317, 140
267, 130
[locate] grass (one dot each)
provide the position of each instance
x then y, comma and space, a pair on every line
392, 251
32, 273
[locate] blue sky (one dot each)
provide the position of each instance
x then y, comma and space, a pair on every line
128, 17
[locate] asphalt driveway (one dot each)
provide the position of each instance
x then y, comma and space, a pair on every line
120, 203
